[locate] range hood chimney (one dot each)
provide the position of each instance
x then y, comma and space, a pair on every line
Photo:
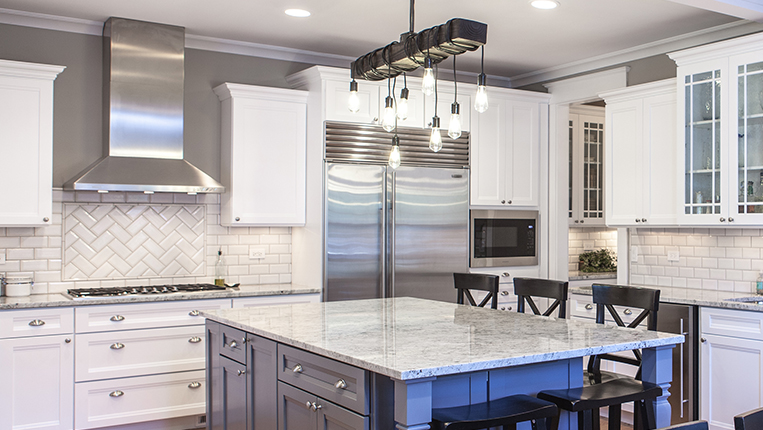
143, 114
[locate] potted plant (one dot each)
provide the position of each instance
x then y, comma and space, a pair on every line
602, 260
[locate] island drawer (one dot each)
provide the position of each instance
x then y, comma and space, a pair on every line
231, 343
36, 322
336, 382
144, 315
125, 353
146, 398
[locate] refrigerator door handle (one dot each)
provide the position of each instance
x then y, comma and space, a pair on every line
383, 228
392, 238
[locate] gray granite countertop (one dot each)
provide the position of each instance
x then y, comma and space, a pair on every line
58, 300
407, 338
684, 296
577, 275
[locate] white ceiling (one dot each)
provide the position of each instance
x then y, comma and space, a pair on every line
522, 41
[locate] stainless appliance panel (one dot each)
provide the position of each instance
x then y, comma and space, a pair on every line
354, 231
428, 236
682, 319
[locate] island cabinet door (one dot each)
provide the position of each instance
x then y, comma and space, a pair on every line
261, 370
295, 410
231, 414
333, 417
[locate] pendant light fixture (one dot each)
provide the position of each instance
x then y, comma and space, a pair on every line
454, 128
428, 80
435, 139
480, 100
402, 104
353, 103
389, 117
394, 155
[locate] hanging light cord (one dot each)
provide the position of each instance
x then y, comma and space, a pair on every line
411, 15
482, 61
455, 81
436, 67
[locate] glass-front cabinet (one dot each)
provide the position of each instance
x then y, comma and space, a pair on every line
586, 168
721, 117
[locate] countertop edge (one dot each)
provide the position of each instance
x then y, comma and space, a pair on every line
673, 295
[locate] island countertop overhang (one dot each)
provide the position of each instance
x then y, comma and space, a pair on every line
408, 338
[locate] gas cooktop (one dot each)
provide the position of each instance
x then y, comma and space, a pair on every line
94, 293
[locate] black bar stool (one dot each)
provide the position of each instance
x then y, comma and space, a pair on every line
526, 288
464, 282
617, 389
505, 412
694, 425
752, 420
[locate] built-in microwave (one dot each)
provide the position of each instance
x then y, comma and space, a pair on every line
503, 238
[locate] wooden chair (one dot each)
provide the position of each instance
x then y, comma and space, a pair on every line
694, 425
505, 412
464, 282
526, 288
752, 420
611, 390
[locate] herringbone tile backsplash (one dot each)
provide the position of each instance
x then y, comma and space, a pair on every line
130, 239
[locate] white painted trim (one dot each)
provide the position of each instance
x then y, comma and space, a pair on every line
587, 87
726, 31
21, 69
50, 22
745, 9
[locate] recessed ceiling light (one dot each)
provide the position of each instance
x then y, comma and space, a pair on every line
298, 13
545, 4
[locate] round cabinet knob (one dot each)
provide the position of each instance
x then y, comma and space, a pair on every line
703, 340
117, 318
588, 306
194, 313
46, 219
638, 220
117, 393
723, 219
503, 202
238, 219
194, 385
509, 308
316, 406
232, 344
628, 312
504, 293
195, 339
582, 221
308, 404
341, 384
509, 201
503, 308
36, 323
576, 221
297, 368
505, 274
731, 219
117, 345
643, 219
241, 372
67, 340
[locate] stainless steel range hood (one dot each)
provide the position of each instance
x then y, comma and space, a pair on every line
143, 113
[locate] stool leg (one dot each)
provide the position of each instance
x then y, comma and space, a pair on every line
614, 417
648, 415
595, 419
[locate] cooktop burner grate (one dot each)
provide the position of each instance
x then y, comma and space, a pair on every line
84, 293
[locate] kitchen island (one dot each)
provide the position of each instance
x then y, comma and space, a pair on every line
385, 363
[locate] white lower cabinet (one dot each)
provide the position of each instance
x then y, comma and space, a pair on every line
731, 365
37, 370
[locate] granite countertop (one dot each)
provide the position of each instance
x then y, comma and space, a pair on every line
58, 300
407, 338
684, 296
577, 275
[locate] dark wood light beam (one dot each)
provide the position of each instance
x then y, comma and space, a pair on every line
452, 38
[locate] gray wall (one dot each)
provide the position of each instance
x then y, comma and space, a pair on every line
77, 132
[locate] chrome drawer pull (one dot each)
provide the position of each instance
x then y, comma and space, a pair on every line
316, 406
241, 372
297, 368
194, 313
117, 345
195, 339
504, 293
341, 384
589, 306
117, 393
194, 385
308, 404
36, 323
231, 345
117, 318
627, 312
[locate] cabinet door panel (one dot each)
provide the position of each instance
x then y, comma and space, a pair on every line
444, 101
487, 165
38, 383
234, 404
337, 95
333, 417
623, 162
523, 153
262, 380
659, 142
294, 412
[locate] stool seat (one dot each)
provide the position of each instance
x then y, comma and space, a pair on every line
505, 411
589, 378
614, 392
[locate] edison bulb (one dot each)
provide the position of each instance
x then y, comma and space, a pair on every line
353, 103
454, 128
394, 155
435, 139
388, 117
480, 101
427, 81
402, 105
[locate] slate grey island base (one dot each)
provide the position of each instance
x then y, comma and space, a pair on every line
385, 363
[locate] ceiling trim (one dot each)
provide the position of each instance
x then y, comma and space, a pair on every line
688, 40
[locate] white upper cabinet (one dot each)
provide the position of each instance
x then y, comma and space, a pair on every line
338, 96
445, 98
640, 155
264, 136
505, 149
586, 193
26, 143
720, 115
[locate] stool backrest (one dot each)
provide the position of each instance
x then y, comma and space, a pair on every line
526, 288
752, 420
606, 297
464, 282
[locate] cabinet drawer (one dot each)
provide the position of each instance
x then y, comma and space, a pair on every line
583, 307
334, 381
144, 315
138, 352
729, 322
232, 343
296, 411
36, 322
145, 398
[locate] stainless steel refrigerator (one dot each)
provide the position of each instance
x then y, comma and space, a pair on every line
394, 232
